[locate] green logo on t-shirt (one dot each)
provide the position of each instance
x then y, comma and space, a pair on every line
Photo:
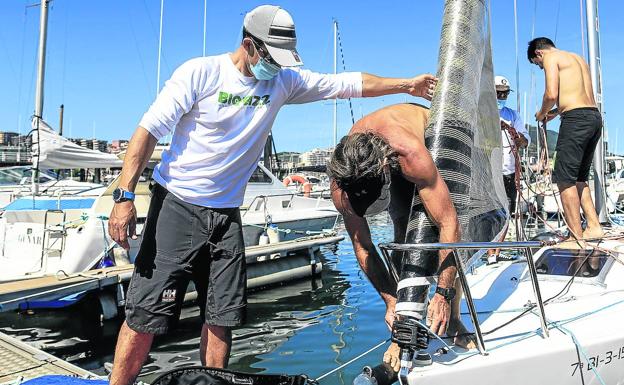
237, 100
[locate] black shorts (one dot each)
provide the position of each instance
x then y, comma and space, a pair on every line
512, 191
579, 133
184, 242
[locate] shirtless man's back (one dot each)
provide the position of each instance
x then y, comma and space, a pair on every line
575, 87
568, 84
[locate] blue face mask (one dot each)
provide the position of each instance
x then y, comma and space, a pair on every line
501, 103
263, 70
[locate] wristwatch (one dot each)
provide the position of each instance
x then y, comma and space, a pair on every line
121, 195
447, 293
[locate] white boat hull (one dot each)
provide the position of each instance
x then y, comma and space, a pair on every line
586, 327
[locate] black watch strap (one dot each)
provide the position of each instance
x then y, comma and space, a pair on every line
447, 293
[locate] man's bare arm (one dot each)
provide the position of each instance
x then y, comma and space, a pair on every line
140, 149
419, 168
122, 220
551, 92
422, 85
365, 251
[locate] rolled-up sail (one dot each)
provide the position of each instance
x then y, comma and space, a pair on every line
463, 136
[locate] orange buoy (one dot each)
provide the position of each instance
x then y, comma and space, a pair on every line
306, 185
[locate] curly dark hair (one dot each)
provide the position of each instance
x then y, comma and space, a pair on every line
359, 158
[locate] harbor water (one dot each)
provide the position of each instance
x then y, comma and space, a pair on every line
310, 326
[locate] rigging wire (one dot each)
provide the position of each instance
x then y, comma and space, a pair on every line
344, 68
557, 20
138, 49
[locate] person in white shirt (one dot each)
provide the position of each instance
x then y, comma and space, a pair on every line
514, 137
220, 110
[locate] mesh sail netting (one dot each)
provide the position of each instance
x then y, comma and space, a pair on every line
464, 139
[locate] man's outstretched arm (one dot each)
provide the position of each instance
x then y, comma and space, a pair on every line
421, 86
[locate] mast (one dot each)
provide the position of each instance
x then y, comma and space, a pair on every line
43, 34
335, 100
162, 6
593, 49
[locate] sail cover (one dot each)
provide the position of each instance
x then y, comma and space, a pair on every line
51, 151
464, 139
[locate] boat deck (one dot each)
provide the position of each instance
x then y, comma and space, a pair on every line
19, 360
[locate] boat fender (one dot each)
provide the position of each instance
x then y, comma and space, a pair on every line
264, 239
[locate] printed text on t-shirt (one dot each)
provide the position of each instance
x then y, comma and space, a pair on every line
237, 100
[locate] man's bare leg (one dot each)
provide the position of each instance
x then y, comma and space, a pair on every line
456, 327
130, 354
593, 229
215, 345
571, 208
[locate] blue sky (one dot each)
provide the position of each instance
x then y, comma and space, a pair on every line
102, 56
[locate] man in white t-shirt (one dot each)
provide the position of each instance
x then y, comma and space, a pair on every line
220, 110
514, 137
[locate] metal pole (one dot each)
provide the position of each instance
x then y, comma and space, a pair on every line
204, 46
62, 109
464, 245
335, 100
536, 289
593, 48
517, 60
162, 6
43, 34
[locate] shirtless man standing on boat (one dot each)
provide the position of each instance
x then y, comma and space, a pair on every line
385, 146
568, 85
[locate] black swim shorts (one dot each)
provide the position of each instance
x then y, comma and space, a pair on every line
578, 134
183, 242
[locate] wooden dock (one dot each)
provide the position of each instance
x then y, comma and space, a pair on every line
16, 294
22, 361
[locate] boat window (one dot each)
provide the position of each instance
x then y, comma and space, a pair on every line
259, 176
568, 262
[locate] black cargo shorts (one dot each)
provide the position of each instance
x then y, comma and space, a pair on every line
183, 242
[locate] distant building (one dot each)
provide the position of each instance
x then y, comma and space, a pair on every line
316, 157
118, 145
7, 137
289, 160
92, 144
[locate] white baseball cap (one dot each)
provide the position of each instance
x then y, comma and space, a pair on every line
502, 84
276, 29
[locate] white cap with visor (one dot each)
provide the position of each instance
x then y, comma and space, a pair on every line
276, 29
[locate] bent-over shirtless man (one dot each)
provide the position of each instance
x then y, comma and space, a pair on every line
389, 145
568, 85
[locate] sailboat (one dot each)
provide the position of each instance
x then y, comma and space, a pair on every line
552, 314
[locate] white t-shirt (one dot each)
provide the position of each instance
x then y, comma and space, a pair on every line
221, 120
512, 118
